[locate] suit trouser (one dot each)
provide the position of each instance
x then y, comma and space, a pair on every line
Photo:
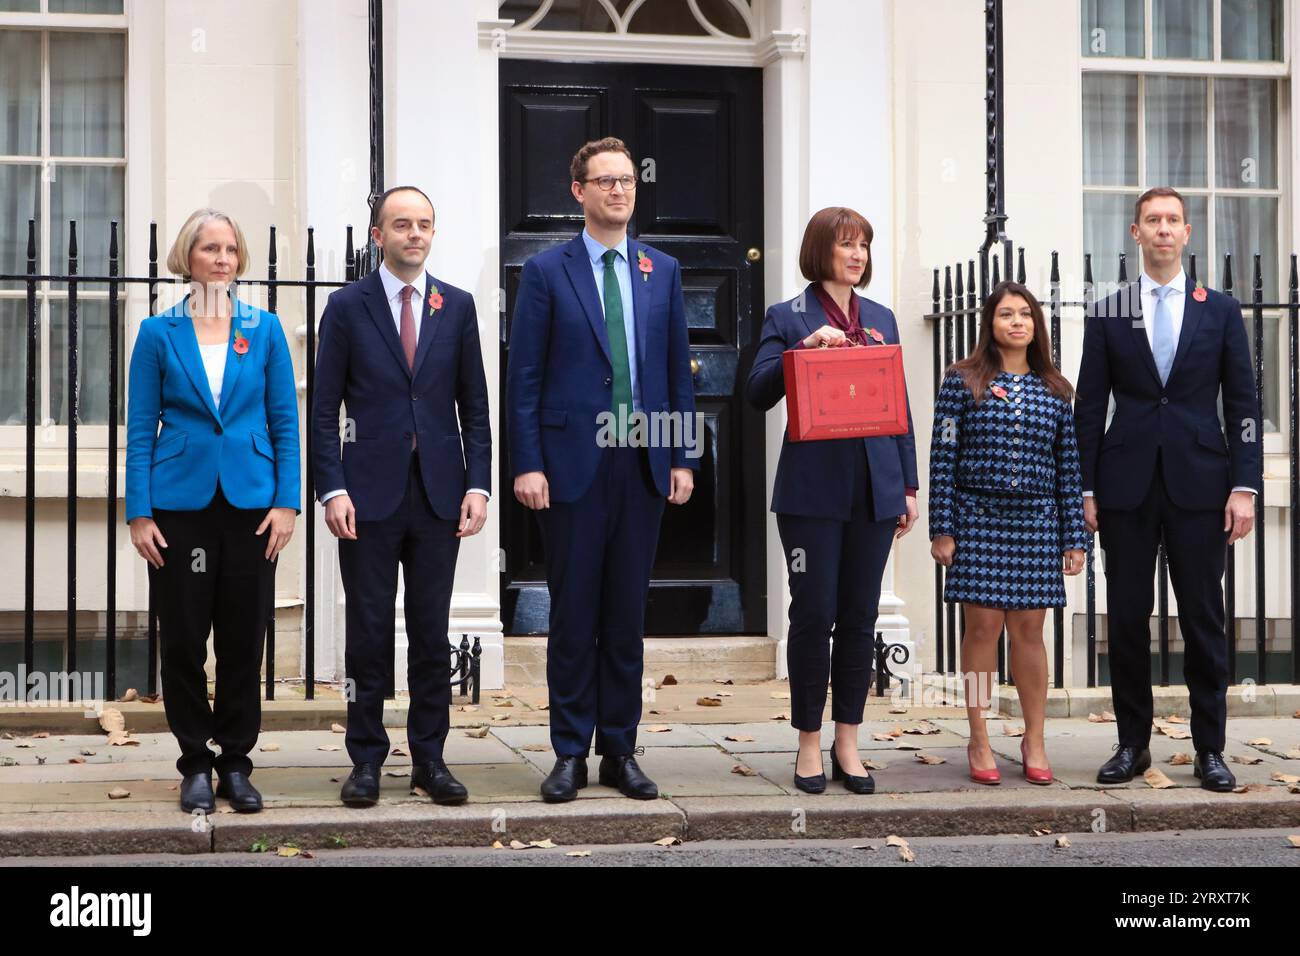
599, 552
425, 546
1195, 544
835, 568
214, 577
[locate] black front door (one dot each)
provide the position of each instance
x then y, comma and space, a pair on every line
696, 135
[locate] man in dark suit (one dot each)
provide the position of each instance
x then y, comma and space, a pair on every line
400, 349
598, 340
1167, 348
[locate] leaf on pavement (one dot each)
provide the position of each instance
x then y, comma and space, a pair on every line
1180, 760
708, 702
1157, 779
930, 759
118, 793
477, 732
739, 738
668, 841
744, 771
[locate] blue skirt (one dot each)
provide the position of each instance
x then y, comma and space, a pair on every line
1008, 552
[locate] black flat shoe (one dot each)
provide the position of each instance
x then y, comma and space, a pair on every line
1209, 768
1127, 763
361, 789
813, 784
622, 773
196, 793
567, 777
851, 783
243, 796
436, 780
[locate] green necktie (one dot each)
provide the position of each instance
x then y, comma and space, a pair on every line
617, 345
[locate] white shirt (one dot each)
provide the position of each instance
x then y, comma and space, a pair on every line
1176, 302
214, 363
393, 287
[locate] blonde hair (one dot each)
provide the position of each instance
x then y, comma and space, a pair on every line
178, 259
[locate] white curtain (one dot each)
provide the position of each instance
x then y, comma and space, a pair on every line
1245, 131
1176, 136
1252, 30
1113, 28
1110, 130
1180, 29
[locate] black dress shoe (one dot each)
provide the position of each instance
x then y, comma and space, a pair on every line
1213, 773
436, 780
623, 774
567, 777
851, 783
241, 793
1127, 763
196, 793
361, 789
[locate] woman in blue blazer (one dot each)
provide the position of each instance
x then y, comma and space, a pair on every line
839, 503
212, 482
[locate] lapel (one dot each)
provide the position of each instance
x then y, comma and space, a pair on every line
641, 283
246, 320
429, 317
180, 332
578, 265
813, 315
1130, 313
1193, 313
377, 308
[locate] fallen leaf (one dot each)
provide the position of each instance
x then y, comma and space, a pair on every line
542, 844
129, 696
420, 791
1293, 753
1285, 778
338, 728
1259, 742
906, 745
708, 702
150, 698
872, 765
118, 793
398, 752
723, 693
655, 712
1176, 719
669, 679
543, 706
1157, 779
505, 703
1043, 832
739, 738
518, 845
1013, 730
896, 709
1248, 761
1294, 788
1180, 760
24, 745
578, 853
76, 760
780, 695
498, 845
780, 716
1293, 840
668, 841
863, 846
930, 759
41, 735
883, 738
1062, 843
330, 748
6, 736
1296, 715
744, 771
658, 729
1105, 717
467, 708
478, 732
288, 851
906, 855
500, 717
1179, 735
396, 773
924, 728
1253, 788
269, 747
535, 748
723, 680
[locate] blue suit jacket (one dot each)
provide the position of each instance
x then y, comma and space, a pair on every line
360, 364
250, 444
811, 476
560, 375
1179, 419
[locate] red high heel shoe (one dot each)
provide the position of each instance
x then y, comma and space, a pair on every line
1039, 775
989, 777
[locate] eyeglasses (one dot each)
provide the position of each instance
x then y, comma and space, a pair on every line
606, 183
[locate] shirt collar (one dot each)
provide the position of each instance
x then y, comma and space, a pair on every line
595, 250
1178, 283
393, 285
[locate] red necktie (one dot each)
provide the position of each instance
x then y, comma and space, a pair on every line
408, 326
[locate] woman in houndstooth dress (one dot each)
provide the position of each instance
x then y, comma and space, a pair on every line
1006, 510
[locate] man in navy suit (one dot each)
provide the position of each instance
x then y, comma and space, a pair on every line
598, 346
1167, 349
400, 349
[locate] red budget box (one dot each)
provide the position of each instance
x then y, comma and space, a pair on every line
849, 392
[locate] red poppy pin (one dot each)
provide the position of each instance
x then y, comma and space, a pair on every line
645, 264
435, 299
1199, 293
241, 343
1000, 392
875, 334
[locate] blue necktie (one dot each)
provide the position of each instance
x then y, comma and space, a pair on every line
1162, 344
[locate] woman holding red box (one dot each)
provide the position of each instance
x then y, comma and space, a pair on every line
1006, 511
839, 503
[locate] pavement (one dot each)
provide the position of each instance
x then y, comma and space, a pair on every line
724, 771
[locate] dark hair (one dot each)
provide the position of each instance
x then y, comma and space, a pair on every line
377, 214
827, 227
983, 365
610, 144
1153, 193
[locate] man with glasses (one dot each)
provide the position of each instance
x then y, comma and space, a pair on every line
598, 338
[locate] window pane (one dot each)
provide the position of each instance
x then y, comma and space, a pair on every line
19, 199
13, 362
1244, 226
20, 93
87, 79
93, 196
85, 6
1245, 129
1252, 30
92, 362
20, 6
1109, 130
1106, 218
1180, 29
1198, 214
1113, 28
1176, 117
